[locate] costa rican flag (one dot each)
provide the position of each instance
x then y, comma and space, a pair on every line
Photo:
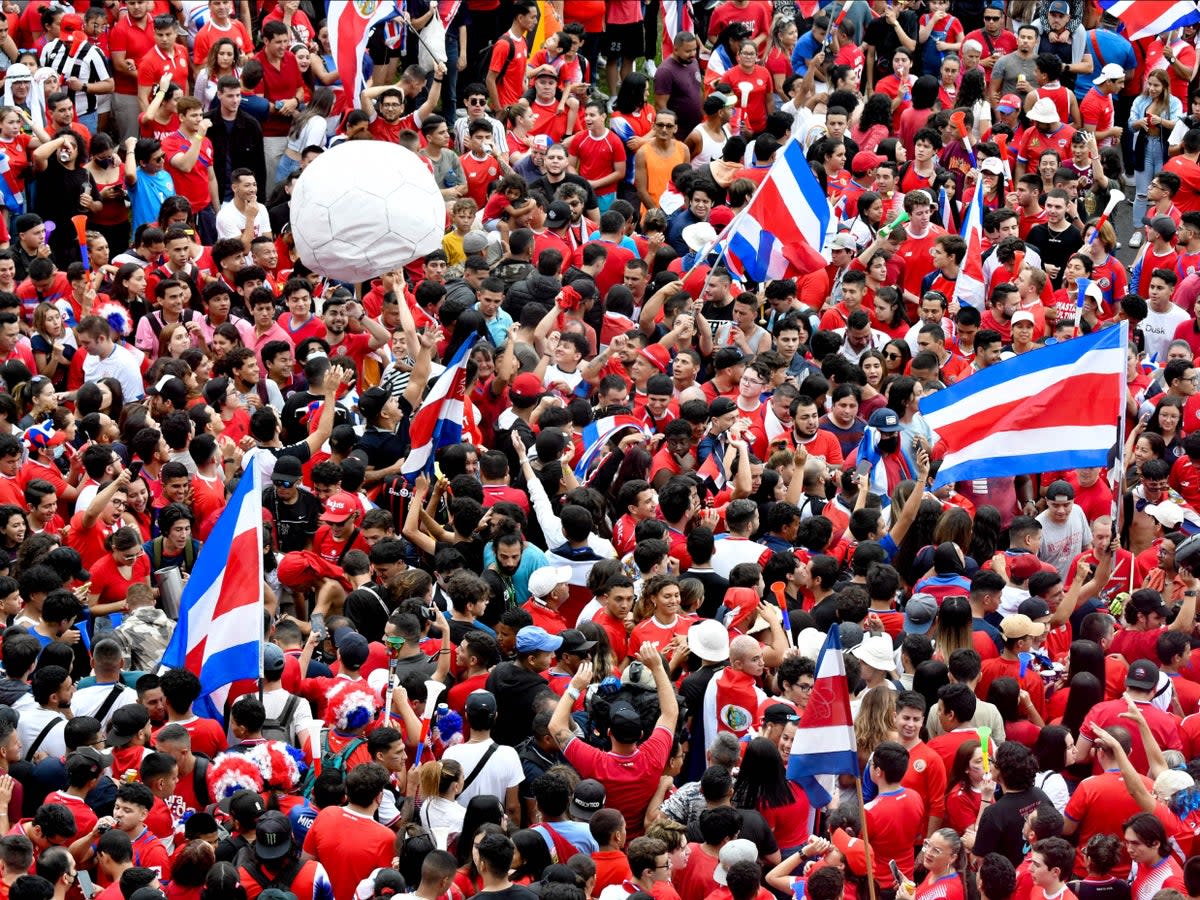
677, 17
219, 633
968, 287
713, 472
439, 421
1051, 409
580, 563
783, 229
824, 743
1141, 19
596, 436
350, 24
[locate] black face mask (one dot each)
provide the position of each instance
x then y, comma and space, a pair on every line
889, 443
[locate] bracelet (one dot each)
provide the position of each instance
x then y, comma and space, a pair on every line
440, 652
572, 692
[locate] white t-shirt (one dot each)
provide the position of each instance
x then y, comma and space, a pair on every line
87, 701
1159, 329
231, 221
501, 772
32, 720
1062, 543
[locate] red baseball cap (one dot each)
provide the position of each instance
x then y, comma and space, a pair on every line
527, 386
340, 507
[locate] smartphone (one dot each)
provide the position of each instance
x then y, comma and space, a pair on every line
135, 469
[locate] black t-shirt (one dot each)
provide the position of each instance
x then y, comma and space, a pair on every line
754, 828
295, 523
825, 613
1112, 889
1055, 247
714, 590
513, 892
515, 689
365, 607
1001, 828
882, 36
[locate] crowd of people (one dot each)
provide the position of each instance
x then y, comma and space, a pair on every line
515, 676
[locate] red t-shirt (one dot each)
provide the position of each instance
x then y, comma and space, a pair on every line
894, 823
355, 346
89, 542
279, 84
194, 184
1135, 645
598, 156
1100, 805
85, 818
331, 549
753, 90
508, 62
207, 736
630, 780
548, 120
480, 173
614, 264
918, 258
651, 631
110, 585
210, 34
1033, 143
135, 43
154, 65
1163, 726
695, 880
348, 845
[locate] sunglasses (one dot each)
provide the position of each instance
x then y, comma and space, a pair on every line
991, 18
474, 101
285, 484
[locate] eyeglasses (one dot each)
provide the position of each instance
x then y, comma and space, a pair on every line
806, 687
476, 101
118, 504
929, 848
671, 125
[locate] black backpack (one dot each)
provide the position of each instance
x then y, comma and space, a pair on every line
282, 881
277, 729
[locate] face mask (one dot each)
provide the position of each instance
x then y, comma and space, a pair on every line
889, 444
59, 450
105, 163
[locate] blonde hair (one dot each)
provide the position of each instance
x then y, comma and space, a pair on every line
876, 720
437, 776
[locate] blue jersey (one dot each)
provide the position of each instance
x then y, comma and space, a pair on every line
147, 195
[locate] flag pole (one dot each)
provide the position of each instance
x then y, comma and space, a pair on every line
866, 839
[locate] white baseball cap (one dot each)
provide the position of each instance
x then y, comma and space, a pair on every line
1110, 72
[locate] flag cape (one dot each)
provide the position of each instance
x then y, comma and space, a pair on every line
868, 451
713, 472
219, 633
731, 702
1028, 413
596, 436
968, 287
580, 563
1141, 19
350, 24
439, 421
783, 229
825, 743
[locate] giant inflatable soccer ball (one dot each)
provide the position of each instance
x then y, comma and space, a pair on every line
363, 208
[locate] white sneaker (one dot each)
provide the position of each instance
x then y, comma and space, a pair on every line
650, 68
1136, 239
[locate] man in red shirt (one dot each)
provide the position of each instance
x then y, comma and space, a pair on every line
1185, 165
1048, 133
1096, 109
482, 163
506, 68
1141, 686
994, 38
338, 533
190, 162
130, 39
336, 316
347, 840
283, 87
548, 117
895, 818
1145, 620
386, 117
166, 56
220, 24
598, 155
1018, 632
612, 229
181, 689
549, 589
91, 527
920, 233
629, 771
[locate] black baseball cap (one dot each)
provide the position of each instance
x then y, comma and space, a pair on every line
125, 723
287, 468
779, 714
587, 800
272, 835
1142, 675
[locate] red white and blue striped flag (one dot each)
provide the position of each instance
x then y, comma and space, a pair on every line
219, 633
596, 436
783, 229
350, 25
439, 421
1141, 19
677, 17
968, 287
825, 743
1029, 413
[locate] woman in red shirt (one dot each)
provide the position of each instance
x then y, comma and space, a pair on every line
15, 144
658, 618
940, 855
125, 565
752, 86
963, 798
888, 308
763, 785
784, 35
290, 14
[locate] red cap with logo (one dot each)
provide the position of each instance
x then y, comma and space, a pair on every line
340, 507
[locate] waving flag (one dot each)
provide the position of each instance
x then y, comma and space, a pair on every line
868, 454
825, 743
439, 421
596, 436
713, 472
350, 25
1141, 19
783, 229
219, 633
968, 288
1028, 413
677, 17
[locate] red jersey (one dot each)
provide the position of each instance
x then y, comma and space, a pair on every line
1034, 142
194, 184
597, 156
480, 174
210, 33
918, 258
348, 845
332, 549
135, 43
280, 84
508, 59
753, 90
548, 120
155, 64
630, 780
894, 823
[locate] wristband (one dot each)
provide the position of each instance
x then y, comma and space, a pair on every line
572, 692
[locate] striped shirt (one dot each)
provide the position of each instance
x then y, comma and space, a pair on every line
88, 64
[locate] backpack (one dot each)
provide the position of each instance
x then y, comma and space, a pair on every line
200, 780
330, 761
486, 56
277, 729
156, 555
281, 882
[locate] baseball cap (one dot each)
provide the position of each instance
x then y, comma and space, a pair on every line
534, 639
272, 661
1164, 226
732, 853
287, 469
1142, 675
993, 164
720, 217
526, 386
1019, 626
1024, 566
843, 241
147, 893
543, 71
864, 161
1035, 607
480, 702
575, 641
474, 242
352, 647
1023, 316
919, 613
852, 849
558, 215
545, 579
272, 835
1110, 72
371, 402
1060, 489
90, 760
1062, 7
779, 714
1168, 514
1146, 602
340, 507
721, 406
624, 721
26, 221
885, 420
243, 806
1009, 103
126, 722
587, 800
657, 355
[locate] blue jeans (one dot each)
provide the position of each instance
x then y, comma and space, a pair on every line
286, 167
450, 82
1142, 179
